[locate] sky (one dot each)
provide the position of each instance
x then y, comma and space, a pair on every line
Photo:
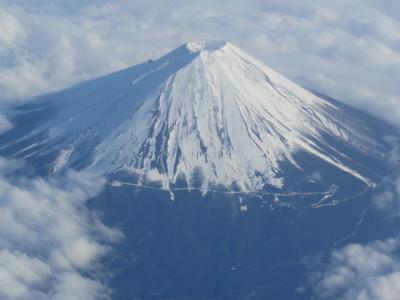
349, 50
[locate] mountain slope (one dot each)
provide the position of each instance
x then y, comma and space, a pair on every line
206, 114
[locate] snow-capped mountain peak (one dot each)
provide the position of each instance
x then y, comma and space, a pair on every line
206, 112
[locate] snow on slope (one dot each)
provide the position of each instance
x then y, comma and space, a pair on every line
205, 110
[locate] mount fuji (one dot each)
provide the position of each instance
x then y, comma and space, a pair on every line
207, 114
266, 176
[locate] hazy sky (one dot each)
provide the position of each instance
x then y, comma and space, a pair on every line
346, 49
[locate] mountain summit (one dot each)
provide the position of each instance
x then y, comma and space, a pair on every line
206, 114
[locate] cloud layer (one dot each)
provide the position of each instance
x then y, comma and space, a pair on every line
49, 242
346, 49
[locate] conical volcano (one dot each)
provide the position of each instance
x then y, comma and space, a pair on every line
207, 114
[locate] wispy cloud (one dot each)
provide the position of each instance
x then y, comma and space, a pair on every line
346, 49
49, 242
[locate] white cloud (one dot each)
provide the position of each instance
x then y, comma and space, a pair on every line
388, 200
346, 49
358, 272
72, 286
19, 272
49, 241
